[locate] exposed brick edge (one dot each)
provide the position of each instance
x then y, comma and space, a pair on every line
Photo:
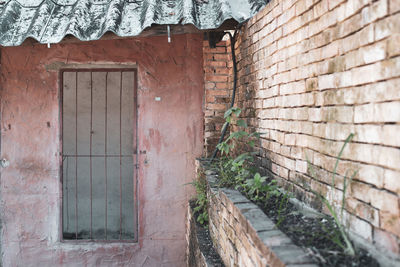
194, 253
242, 221
217, 92
194, 256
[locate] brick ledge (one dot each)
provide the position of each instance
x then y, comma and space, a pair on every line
264, 243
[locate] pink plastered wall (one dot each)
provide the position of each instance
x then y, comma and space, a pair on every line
170, 131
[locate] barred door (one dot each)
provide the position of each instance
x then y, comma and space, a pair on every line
99, 154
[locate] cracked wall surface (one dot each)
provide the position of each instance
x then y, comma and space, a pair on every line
170, 131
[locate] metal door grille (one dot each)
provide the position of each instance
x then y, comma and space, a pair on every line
99, 154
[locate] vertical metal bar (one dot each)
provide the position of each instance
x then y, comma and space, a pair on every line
105, 157
76, 156
136, 160
66, 191
61, 172
76, 152
120, 157
91, 132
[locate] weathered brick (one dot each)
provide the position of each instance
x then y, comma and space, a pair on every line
209, 85
337, 131
269, 102
371, 174
361, 227
337, 114
353, 7
363, 210
361, 191
314, 114
217, 93
390, 221
210, 98
365, 55
369, 133
216, 78
290, 139
300, 7
334, 3
360, 38
384, 201
326, 82
381, 112
392, 181
376, 92
393, 49
221, 86
375, 11
217, 63
394, 6
301, 166
386, 240
320, 8
388, 26
386, 156
216, 106
305, 127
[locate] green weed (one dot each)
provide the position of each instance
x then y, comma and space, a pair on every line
201, 208
341, 233
283, 202
237, 171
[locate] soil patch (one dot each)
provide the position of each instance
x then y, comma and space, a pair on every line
315, 235
205, 243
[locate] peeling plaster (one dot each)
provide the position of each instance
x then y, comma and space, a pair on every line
169, 131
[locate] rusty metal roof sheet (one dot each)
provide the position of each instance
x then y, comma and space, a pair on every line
48, 21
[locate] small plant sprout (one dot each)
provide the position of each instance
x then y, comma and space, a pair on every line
347, 245
282, 206
228, 145
256, 186
237, 171
259, 189
201, 208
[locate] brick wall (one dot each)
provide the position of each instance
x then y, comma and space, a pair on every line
312, 72
217, 65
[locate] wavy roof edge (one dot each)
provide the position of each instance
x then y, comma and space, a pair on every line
49, 21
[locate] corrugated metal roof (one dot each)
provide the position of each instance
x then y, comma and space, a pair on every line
48, 21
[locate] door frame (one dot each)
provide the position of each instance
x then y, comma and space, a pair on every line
100, 68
